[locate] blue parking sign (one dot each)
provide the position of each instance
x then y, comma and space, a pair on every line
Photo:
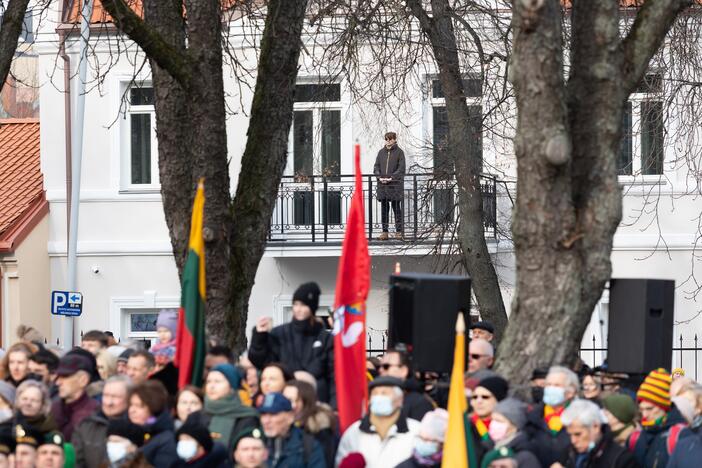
68, 303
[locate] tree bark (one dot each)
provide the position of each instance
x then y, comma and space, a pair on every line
191, 130
568, 197
10, 30
471, 233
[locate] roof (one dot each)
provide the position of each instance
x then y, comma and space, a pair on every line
22, 199
72, 13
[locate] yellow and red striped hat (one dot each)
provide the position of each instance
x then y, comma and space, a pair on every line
655, 389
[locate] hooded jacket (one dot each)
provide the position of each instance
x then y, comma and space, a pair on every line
160, 449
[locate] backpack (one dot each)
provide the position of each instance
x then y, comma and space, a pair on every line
671, 441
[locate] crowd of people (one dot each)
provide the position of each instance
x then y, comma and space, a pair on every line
109, 404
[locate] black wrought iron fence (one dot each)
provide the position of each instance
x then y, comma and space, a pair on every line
314, 208
685, 355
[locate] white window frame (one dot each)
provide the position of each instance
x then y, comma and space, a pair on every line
637, 99
317, 108
121, 308
126, 184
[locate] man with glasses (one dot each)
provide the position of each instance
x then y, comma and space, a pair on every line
480, 355
389, 170
395, 363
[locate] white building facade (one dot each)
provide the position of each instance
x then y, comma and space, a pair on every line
126, 270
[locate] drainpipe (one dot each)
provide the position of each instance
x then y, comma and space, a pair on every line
76, 159
66, 124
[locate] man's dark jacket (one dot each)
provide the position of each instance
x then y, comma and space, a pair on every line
89, 440
69, 415
416, 403
311, 350
549, 448
606, 454
390, 163
297, 451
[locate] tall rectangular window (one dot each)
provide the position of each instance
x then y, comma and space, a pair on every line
141, 148
139, 161
624, 159
641, 150
303, 143
652, 137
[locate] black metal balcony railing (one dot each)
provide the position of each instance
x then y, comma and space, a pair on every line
313, 209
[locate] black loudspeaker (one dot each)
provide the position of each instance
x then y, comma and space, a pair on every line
640, 335
423, 313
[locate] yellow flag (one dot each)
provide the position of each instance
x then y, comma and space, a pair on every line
455, 447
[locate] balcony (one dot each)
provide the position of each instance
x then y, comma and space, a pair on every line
311, 210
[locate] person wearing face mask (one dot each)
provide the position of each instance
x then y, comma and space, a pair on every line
489, 391
620, 411
384, 436
544, 427
123, 442
688, 453
506, 431
303, 344
7, 401
537, 384
429, 445
661, 422
196, 448
591, 442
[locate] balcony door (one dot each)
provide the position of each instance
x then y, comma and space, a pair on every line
316, 156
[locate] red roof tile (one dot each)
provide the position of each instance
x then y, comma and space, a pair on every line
21, 181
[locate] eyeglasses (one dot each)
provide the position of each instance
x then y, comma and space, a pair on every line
480, 397
476, 356
387, 366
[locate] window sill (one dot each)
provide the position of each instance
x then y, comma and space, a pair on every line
140, 191
642, 180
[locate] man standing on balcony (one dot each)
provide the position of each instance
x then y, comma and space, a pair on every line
390, 171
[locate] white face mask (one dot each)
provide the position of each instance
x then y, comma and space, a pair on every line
116, 451
5, 414
186, 449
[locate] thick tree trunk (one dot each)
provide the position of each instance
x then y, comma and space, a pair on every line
191, 127
265, 155
439, 29
10, 30
568, 198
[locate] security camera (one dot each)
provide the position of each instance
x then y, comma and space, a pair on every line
96, 269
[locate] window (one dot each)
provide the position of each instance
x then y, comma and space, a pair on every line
140, 162
444, 198
140, 325
316, 152
641, 150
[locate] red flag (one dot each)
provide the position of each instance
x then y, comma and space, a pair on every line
352, 284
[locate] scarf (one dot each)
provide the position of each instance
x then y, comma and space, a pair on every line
482, 426
225, 413
552, 418
647, 424
697, 422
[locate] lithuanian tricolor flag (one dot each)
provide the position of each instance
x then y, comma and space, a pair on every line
190, 337
458, 450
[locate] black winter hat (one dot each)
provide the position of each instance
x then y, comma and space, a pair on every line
198, 431
127, 429
308, 294
496, 385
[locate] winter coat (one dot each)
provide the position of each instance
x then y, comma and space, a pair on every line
160, 449
322, 426
216, 458
523, 451
416, 403
651, 449
69, 415
311, 351
547, 447
688, 451
42, 423
89, 441
297, 450
390, 163
397, 447
225, 419
606, 454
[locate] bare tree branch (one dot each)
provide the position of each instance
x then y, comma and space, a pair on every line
10, 30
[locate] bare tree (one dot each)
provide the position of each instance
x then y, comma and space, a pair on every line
186, 57
569, 202
10, 31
